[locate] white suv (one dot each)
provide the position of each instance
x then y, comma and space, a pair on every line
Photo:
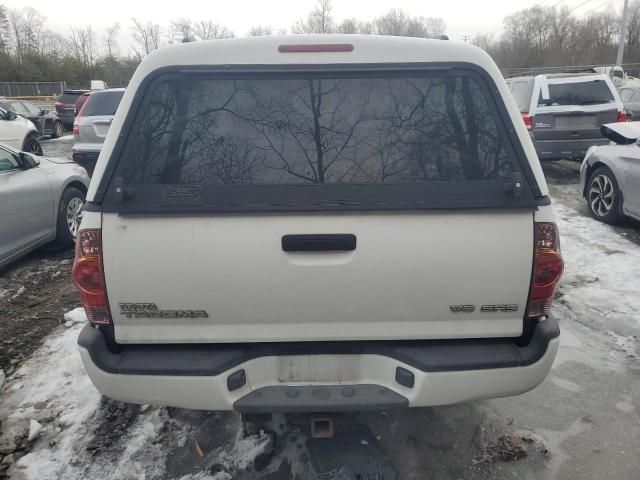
317, 223
19, 132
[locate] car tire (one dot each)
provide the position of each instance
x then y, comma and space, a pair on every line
58, 129
69, 216
32, 145
603, 195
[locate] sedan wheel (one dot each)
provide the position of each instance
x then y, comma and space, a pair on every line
603, 196
32, 145
69, 216
58, 130
74, 215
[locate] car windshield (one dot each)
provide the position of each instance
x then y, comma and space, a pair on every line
592, 92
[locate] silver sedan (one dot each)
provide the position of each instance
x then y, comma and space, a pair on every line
610, 174
41, 201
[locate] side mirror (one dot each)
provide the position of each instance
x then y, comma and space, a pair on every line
44, 112
28, 161
9, 115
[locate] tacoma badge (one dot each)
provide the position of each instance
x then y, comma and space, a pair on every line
150, 310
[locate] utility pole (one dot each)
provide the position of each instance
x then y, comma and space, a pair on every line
466, 38
623, 32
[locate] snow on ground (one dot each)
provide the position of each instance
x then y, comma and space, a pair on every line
52, 389
600, 282
64, 138
76, 315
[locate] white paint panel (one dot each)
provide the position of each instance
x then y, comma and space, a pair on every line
399, 283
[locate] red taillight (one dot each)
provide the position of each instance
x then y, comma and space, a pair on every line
528, 121
547, 269
622, 116
76, 128
59, 105
315, 48
88, 276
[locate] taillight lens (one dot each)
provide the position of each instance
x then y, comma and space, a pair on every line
547, 269
88, 276
76, 128
622, 116
59, 105
528, 121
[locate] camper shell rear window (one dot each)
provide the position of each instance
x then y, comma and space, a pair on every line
311, 139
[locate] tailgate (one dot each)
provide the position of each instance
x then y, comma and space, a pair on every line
576, 124
403, 280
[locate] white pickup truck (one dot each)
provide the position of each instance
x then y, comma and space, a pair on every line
317, 223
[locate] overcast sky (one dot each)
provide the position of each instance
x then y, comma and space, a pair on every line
463, 17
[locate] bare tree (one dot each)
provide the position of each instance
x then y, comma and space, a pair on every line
209, 30
318, 21
181, 29
633, 25
83, 41
146, 37
111, 40
349, 26
4, 29
261, 31
398, 22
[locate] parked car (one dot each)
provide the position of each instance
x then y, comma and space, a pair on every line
92, 125
630, 96
65, 106
19, 132
47, 123
316, 223
41, 201
564, 112
610, 175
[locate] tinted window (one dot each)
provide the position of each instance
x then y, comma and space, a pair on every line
316, 131
102, 103
578, 93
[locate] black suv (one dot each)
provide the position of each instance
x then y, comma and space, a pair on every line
66, 106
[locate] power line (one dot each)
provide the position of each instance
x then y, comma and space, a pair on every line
577, 7
606, 2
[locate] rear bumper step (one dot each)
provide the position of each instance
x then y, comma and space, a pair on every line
214, 359
318, 377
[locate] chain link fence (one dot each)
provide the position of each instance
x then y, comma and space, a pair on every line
31, 89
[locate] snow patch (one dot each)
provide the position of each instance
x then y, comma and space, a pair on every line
77, 315
34, 429
20, 291
64, 138
600, 282
52, 390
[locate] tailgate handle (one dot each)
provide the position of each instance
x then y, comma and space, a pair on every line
319, 243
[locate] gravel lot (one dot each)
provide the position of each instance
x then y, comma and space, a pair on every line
583, 422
